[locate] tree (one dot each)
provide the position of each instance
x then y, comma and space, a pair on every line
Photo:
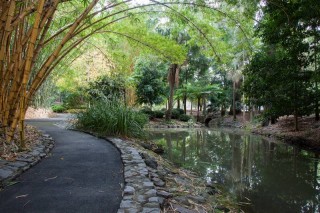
289, 30
271, 82
294, 25
108, 87
150, 87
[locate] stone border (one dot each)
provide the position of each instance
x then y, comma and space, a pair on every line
140, 194
10, 170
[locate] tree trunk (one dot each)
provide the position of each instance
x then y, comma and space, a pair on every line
295, 110
234, 101
185, 104
251, 111
316, 85
204, 108
172, 76
198, 112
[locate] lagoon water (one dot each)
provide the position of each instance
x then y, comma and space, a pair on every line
263, 176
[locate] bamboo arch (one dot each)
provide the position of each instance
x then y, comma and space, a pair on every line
21, 44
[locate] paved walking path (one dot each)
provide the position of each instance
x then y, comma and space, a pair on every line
82, 174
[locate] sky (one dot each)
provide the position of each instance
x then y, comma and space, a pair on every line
136, 2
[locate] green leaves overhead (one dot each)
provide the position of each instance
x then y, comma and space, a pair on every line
152, 42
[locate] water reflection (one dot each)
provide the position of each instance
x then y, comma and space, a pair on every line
271, 176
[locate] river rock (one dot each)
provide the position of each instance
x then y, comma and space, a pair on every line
4, 173
158, 182
164, 194
181, 209
129, 190
182, 200
151, 162
158, 150
146, 146
197, 199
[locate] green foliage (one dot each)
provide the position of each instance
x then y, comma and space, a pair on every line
112, 117
147, 111
73, 100
176, 113
46, 95
152, 114
274, 82
181, 111
106, 86
185, 118
158, 114
58, 108
149, 76
282, 75
152, 42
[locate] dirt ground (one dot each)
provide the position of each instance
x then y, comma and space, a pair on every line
38, 113
308, 135
32, 136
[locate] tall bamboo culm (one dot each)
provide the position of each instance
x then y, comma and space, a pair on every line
24, 27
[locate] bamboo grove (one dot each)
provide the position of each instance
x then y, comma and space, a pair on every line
25, 30
33, 43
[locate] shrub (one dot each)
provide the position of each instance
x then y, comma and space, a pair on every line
58, 108
185, 118
158, 114
73, 101
175, 114
112, 117
181, 111
148, 111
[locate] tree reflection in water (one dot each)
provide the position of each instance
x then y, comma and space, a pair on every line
272, 176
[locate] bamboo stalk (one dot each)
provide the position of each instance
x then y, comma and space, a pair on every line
22, 115
45, 24
27, 69
5, 37
42, 72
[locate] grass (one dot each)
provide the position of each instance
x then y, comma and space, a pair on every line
112, 118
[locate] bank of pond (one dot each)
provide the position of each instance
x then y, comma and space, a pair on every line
262, 175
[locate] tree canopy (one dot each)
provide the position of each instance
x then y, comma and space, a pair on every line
59, 44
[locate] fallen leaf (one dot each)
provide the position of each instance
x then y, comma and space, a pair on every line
50, 178
21, 196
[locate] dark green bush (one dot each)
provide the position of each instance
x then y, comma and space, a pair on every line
175, 114
158, 114
58, 108
112, 117
148, 111
185, 118
181, 111
73, 101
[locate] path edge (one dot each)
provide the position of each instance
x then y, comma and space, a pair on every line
10, 170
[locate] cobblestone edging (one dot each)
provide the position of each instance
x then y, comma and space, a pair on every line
11, 169
140, 194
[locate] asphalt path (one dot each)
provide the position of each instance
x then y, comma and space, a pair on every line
82, 174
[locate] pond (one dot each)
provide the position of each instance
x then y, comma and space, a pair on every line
271, 176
